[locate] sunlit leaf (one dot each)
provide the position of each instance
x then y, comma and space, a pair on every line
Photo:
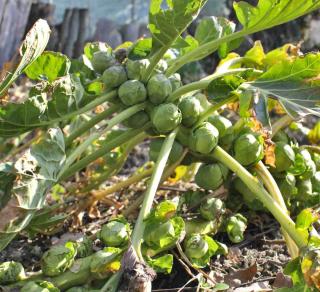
294, 83
167, 24
49, 66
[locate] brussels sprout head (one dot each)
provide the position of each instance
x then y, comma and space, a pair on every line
204, 138
132, 92
211, 176
212, 209
136, 68
11, 272
166, 117
190, 108
284, 155
102, 60
248, 150
196, 247
114, 234
114, 76
158, 87
136, 121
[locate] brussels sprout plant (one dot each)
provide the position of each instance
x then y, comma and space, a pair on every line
87, 116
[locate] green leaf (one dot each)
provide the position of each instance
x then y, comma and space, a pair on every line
49, 66
222, 88
306, 218
41, 109
35, 173
293, 269
91, 48
140, 49
295, 288
262, 114
212, 28
245, 102
34, 44
256, 53
269, 13
165, 210
266, 14
294, 82
161, 264
166, 25
6, 183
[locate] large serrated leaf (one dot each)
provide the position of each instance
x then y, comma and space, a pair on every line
32, 47
167, 25
266, 14
294, 82
35, 173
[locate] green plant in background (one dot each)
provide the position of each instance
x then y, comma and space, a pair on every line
139, 87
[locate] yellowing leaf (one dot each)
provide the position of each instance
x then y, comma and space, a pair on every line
179, 173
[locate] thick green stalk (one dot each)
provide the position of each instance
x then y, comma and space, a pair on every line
151, 191
203, 83
70, 278
201, 52
123, 138
275, 192
112, 170
113, 282
253, 184
91, 123
94, 136
204, 116
153, 63
99, 195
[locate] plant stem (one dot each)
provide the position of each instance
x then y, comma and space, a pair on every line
151, 191
254, 185
92, 122
153, 63
280, 124
168, 171
113, 282
275, 192
113, 169
111, 123
123, 138
201, 52
214, 108
203, 83
98, 195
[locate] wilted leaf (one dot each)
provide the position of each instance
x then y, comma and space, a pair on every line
67, 96
35, 172
314, 134
34, 44
244, 275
